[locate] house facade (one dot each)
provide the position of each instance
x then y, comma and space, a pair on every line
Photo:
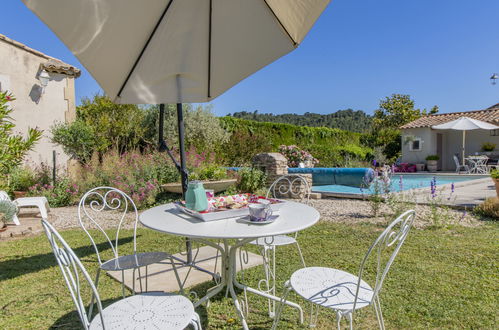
419, 140
36, 105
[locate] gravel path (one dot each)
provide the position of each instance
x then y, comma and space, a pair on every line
333, 210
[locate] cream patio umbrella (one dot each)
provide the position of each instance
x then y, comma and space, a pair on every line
465, 124
176, 51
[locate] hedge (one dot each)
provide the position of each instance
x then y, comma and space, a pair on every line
331, 146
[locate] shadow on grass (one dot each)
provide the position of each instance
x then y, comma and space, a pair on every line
25, 265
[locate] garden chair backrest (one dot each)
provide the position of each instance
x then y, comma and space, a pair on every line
290, 186
456, 161
387, 244
4, 196
73, 272
95, 203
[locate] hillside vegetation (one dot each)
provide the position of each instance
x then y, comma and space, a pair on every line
349, 120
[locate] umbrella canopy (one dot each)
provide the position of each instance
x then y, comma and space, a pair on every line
174, 51
465, 124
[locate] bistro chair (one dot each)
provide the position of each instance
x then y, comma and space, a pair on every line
344, 292
288, 186
90, 212
151, 310
466, 168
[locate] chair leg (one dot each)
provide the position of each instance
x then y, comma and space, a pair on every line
313, 315
301, 254
92, 300
140, 280
268, 254
350, 320
123, 283
338, 320
287, 290
379, 313
179, 281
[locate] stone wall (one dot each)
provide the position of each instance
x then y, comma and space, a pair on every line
275, 165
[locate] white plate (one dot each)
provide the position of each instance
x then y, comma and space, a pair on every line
246, 219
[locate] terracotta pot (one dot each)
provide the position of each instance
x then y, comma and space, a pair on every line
20, 194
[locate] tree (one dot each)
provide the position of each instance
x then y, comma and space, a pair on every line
397, 110
394, 111
13, 147
202, 128
115, 126
77, 139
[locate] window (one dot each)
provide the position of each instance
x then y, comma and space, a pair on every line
494, 132
416, 144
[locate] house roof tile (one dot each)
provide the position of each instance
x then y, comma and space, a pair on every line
490, 115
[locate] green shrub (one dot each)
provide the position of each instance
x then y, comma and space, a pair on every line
250, 180
64, 192
77, 139
209, 172
488, 146
432, 157
494, 173
489, 208
14, 147
21, 178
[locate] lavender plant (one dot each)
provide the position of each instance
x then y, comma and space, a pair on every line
376, 190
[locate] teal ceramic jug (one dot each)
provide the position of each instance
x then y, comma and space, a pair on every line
195, 197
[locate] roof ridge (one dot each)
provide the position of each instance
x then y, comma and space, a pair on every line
461, 112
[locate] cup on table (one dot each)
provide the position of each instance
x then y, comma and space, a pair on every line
210, 193
259, 212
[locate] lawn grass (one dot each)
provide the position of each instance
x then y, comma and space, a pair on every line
442, 278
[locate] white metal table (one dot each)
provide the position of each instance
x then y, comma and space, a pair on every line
477, 164
167, 218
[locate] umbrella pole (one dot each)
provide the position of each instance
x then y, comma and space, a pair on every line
183, 169
464, 143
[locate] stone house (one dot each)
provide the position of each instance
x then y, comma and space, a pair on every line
22, 72
419, 140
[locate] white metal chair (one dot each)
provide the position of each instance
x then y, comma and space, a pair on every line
289, 186
40, 202
344, 292
101, 199
459, 166
145, 311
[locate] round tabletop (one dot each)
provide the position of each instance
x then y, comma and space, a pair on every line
292, 217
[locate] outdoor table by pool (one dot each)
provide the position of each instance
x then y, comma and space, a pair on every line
292, 217
477, 164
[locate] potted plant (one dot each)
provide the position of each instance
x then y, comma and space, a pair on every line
488, 147
7, 212
495, 177
21, 178
432, 162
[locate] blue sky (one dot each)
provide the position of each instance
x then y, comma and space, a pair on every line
439, 52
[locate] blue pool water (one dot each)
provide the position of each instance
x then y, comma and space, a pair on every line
399, 182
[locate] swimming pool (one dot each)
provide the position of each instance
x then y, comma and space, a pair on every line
399, 182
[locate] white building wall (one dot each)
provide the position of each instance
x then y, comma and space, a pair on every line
19, 70
451, 144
